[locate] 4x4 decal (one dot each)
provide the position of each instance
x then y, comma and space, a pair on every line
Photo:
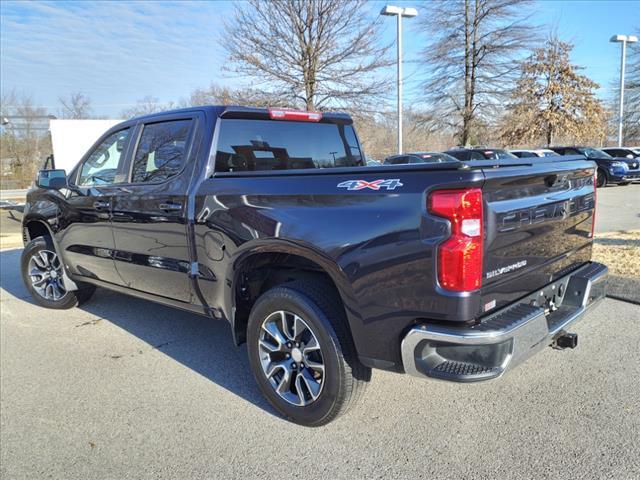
391, 184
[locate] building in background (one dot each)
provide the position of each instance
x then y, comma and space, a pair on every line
70, 139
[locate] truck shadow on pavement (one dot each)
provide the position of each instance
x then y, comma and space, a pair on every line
202, 344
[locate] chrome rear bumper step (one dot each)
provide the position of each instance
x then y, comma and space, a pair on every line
505, 338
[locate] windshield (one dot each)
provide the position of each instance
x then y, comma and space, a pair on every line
594, 153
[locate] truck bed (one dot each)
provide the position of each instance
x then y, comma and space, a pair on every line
379, 245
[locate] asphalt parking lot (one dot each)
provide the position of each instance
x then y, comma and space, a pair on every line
618, 208
124, 388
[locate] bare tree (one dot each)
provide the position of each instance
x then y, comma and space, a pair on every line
24, 139
217, 95
552, 99
378, 139
471, 58
76, 106
314, 53
148, 105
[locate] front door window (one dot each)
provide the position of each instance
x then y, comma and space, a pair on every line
105, 162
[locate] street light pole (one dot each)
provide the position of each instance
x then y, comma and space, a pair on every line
399, 34
390, 10
624, 39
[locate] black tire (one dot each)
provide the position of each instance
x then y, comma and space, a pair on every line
69, 299
601, 180
624, 184
344, 377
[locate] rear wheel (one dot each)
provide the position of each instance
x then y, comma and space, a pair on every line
601, 178
302, 355
43, 276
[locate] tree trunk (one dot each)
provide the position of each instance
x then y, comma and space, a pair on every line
310, 88
310, 104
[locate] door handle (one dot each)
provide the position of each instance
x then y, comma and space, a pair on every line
100, 204
170, 206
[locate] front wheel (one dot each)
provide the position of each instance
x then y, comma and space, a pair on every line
601, 178
302, 355
43, 276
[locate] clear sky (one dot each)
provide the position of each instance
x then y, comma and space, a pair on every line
117, 52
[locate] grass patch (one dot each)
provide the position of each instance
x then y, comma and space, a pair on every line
620, 251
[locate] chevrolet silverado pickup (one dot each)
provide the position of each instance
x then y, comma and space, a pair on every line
271, 220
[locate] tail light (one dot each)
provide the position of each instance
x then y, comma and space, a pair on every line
460, 256
299, 115
595, 201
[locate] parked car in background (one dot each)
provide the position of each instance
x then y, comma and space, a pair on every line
480, 154
419, 157
623, 152
538, 152
372, 162
620, 170
632, 154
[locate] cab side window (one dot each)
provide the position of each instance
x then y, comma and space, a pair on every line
161, 151
105, 162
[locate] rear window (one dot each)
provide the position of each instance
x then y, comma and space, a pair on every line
262, 145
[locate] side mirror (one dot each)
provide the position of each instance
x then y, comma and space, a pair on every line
52, 179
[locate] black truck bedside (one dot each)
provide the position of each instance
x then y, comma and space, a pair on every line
271, 220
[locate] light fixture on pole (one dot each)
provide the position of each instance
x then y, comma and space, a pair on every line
399, 12
623, 39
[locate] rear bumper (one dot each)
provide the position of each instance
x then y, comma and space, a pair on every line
507, 337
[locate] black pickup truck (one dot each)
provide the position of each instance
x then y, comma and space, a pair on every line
271, 220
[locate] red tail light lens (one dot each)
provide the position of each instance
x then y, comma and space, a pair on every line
460, 256
299, 115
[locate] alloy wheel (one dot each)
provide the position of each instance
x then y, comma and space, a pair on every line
291, 358
45, 273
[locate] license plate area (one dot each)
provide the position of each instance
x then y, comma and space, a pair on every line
550, 297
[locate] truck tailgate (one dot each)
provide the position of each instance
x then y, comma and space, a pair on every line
538, 224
